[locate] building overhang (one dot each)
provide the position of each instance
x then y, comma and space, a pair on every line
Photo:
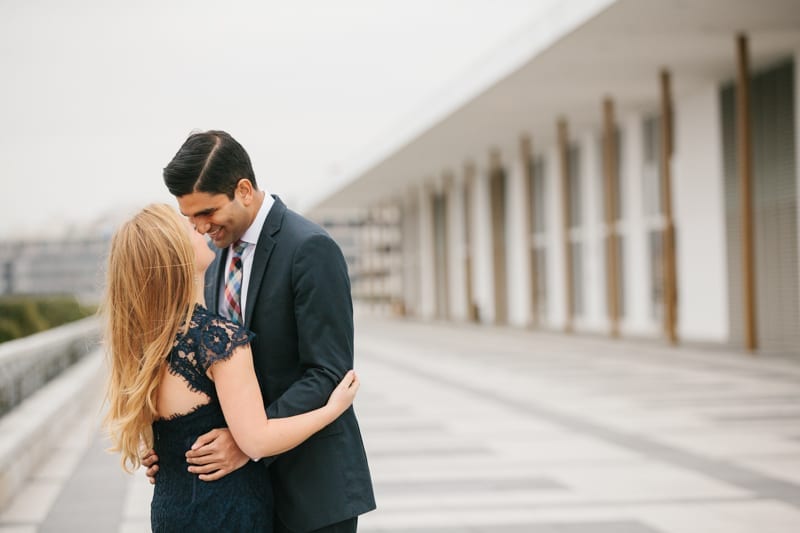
564, 66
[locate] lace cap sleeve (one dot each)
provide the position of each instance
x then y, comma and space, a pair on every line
219, 338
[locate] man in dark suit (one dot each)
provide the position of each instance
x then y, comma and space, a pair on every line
295, 296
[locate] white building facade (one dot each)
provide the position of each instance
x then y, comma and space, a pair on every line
611, 176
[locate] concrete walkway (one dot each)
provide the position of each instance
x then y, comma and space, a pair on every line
472, 429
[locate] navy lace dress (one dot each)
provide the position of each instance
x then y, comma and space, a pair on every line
240, 501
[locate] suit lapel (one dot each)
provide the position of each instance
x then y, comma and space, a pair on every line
215, 277
263, 251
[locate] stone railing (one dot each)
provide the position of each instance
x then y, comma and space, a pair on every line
27, 364
48, 381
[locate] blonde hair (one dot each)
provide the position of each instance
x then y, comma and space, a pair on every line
149, 298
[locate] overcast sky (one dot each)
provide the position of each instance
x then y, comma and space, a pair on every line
97, 95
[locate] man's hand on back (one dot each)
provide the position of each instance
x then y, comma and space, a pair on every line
215, 455
150, 461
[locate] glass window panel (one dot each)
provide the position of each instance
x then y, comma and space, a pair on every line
539, 218
577, 278
651, 178
575, 190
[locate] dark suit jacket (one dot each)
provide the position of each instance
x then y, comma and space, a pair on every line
299, 306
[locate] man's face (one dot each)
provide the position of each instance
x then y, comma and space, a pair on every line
222, 219
203, 254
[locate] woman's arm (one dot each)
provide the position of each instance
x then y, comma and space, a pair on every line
243, 407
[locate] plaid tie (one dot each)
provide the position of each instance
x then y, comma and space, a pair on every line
233, 283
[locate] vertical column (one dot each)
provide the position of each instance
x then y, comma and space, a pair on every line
745, 164
698, 180
410, 245
365, 269
381, 259
529, 264
554, 268
635, 319
483, 251
530, 248
611, 181
563, 156
497, 187
796, 145
385, 251
371, 265
427, 293
670, 277
441, 246
469, 246
469, 242
397, 255
456, 239
595, 316
518, 242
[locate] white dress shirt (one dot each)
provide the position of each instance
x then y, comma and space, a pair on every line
251, 238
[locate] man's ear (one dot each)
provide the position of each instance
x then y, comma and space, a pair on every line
244, 190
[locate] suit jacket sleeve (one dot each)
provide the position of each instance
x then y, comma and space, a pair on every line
324, 319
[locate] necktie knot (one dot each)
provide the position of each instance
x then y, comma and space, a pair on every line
239, 247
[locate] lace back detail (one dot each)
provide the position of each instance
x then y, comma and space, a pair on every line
210, 338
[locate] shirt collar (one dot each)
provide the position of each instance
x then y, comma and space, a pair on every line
254, 231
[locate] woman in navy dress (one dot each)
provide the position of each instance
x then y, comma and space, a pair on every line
177, 371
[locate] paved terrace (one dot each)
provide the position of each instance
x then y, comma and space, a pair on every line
478, 430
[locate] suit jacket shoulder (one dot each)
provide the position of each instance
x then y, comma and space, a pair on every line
297, 227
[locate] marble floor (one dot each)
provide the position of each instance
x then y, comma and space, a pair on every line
474, 429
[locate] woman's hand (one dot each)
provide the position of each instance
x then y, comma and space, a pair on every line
345, 392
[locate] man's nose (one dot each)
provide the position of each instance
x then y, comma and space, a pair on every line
201, 226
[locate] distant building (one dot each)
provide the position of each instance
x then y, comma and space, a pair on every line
625, 167
371, 243
54, 267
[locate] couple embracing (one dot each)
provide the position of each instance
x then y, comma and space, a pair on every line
233, 366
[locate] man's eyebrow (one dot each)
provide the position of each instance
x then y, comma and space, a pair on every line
202, 213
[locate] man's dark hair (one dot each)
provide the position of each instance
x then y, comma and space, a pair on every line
211, 162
